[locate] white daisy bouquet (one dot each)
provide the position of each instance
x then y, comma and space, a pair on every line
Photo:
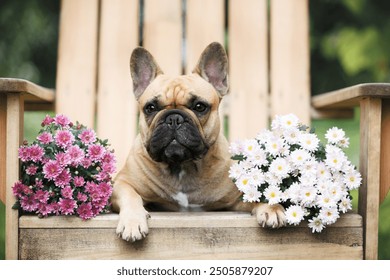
289, 165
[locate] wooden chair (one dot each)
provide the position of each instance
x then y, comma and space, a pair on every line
269, 74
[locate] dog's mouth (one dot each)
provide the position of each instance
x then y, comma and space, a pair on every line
176, 139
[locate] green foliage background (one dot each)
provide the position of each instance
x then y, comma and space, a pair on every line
350, 43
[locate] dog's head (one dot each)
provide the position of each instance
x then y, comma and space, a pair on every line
179, 118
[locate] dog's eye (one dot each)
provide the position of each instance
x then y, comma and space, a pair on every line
150, 108
200, 107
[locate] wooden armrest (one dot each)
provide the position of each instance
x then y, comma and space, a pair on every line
350, 97
35, 96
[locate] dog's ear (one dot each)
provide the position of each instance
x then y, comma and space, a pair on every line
144, 70
213, 67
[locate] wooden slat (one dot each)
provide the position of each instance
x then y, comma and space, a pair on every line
116, 108
3, 147
35, 92
370, 153
204, 25
14, 139
188, 236
248, 58
76, 69
170, 220
163, 33
350, 97
385, 150
290, 84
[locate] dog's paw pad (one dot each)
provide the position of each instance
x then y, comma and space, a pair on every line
133, 227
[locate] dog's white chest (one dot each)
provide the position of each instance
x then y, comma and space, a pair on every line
182, 199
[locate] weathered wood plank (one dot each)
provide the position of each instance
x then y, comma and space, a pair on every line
199, 236
248, 66
3, 146
77, 55
370, 154
116, 106
350, 97
163, 33
290, 56
385, 150
13, 141
35, 92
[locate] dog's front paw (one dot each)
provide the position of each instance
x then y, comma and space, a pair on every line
133, 226
270, 215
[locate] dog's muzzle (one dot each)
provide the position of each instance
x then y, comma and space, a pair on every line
176, 139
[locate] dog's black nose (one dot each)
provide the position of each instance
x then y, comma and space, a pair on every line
174, 121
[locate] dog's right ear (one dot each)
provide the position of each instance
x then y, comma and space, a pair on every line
144, 70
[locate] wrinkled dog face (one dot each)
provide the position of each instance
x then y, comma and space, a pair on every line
179, 116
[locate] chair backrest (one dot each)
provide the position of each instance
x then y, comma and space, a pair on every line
267, 44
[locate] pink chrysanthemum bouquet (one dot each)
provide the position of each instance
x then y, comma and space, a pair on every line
67, 170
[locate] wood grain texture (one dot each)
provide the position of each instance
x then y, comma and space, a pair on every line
248, 60
163, 33
116, 105
370, 154
188, 236
13, 141
385, 150
3, 146
77, 65
289, 55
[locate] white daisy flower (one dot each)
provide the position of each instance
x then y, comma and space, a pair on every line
336, 191
279, 167
345, 204
236, 170
343, 143
307, 180
274, 145
249, 147
252, 195
273, 194
292, 135
256, 177
334, 135
258, 157
352, 180
309, 141
308, 196
335, 160
289, 121
316, 224
299, 157
294, 192
325, 200
322, 171
329, 215
236, 147
243, 183
272, 179
264, 136
294, 214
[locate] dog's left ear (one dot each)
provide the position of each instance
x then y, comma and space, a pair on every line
213, 66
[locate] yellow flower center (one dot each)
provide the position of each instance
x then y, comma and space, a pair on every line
245, 181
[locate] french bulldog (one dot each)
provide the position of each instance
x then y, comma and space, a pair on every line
180, 159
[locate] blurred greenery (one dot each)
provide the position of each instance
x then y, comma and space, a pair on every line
350, 43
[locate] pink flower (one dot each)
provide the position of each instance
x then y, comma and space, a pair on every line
76, 154
55, 207
31, 170
19, 189
42, 196
29, 203
51, 169
108, 167
105, 189
62, 120
44, 209
38, 183
63, 179
78, 181
47, 120
96, 152
24, 153
63, 159
86, 162
82, 197
85, 211
45, 138
67, 192
36, 153
67, 206
64, 138
87, 136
